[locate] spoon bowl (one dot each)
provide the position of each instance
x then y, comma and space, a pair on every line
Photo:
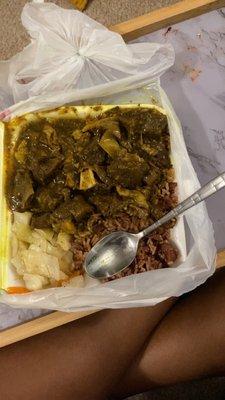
111, 254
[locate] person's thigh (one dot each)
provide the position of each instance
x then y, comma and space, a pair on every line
189, 342
82, 360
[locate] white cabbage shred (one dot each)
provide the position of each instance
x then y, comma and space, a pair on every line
41, 257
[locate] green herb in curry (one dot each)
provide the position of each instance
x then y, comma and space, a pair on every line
64, 170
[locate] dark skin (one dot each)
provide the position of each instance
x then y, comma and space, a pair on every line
115, 353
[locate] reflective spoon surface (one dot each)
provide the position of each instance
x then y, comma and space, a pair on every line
116, 251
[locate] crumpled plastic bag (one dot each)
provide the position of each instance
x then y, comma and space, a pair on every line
69, 50
73, 59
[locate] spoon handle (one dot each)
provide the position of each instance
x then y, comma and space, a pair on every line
210, 188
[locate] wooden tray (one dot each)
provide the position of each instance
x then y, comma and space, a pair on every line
131, 29
163, 17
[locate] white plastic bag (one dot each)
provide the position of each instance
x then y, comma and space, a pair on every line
71, 51
114, 73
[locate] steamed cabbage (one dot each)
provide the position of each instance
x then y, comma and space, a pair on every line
39, 256
35, 282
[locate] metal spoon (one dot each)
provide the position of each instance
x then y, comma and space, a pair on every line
116, 251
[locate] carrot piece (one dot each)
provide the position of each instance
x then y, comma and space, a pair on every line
17, 290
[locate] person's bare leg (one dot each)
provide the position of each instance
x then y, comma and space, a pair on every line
80, 360
83, 360
189, 342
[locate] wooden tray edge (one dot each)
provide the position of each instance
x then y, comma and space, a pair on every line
163, 17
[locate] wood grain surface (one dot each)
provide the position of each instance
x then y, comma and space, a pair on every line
164, 17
